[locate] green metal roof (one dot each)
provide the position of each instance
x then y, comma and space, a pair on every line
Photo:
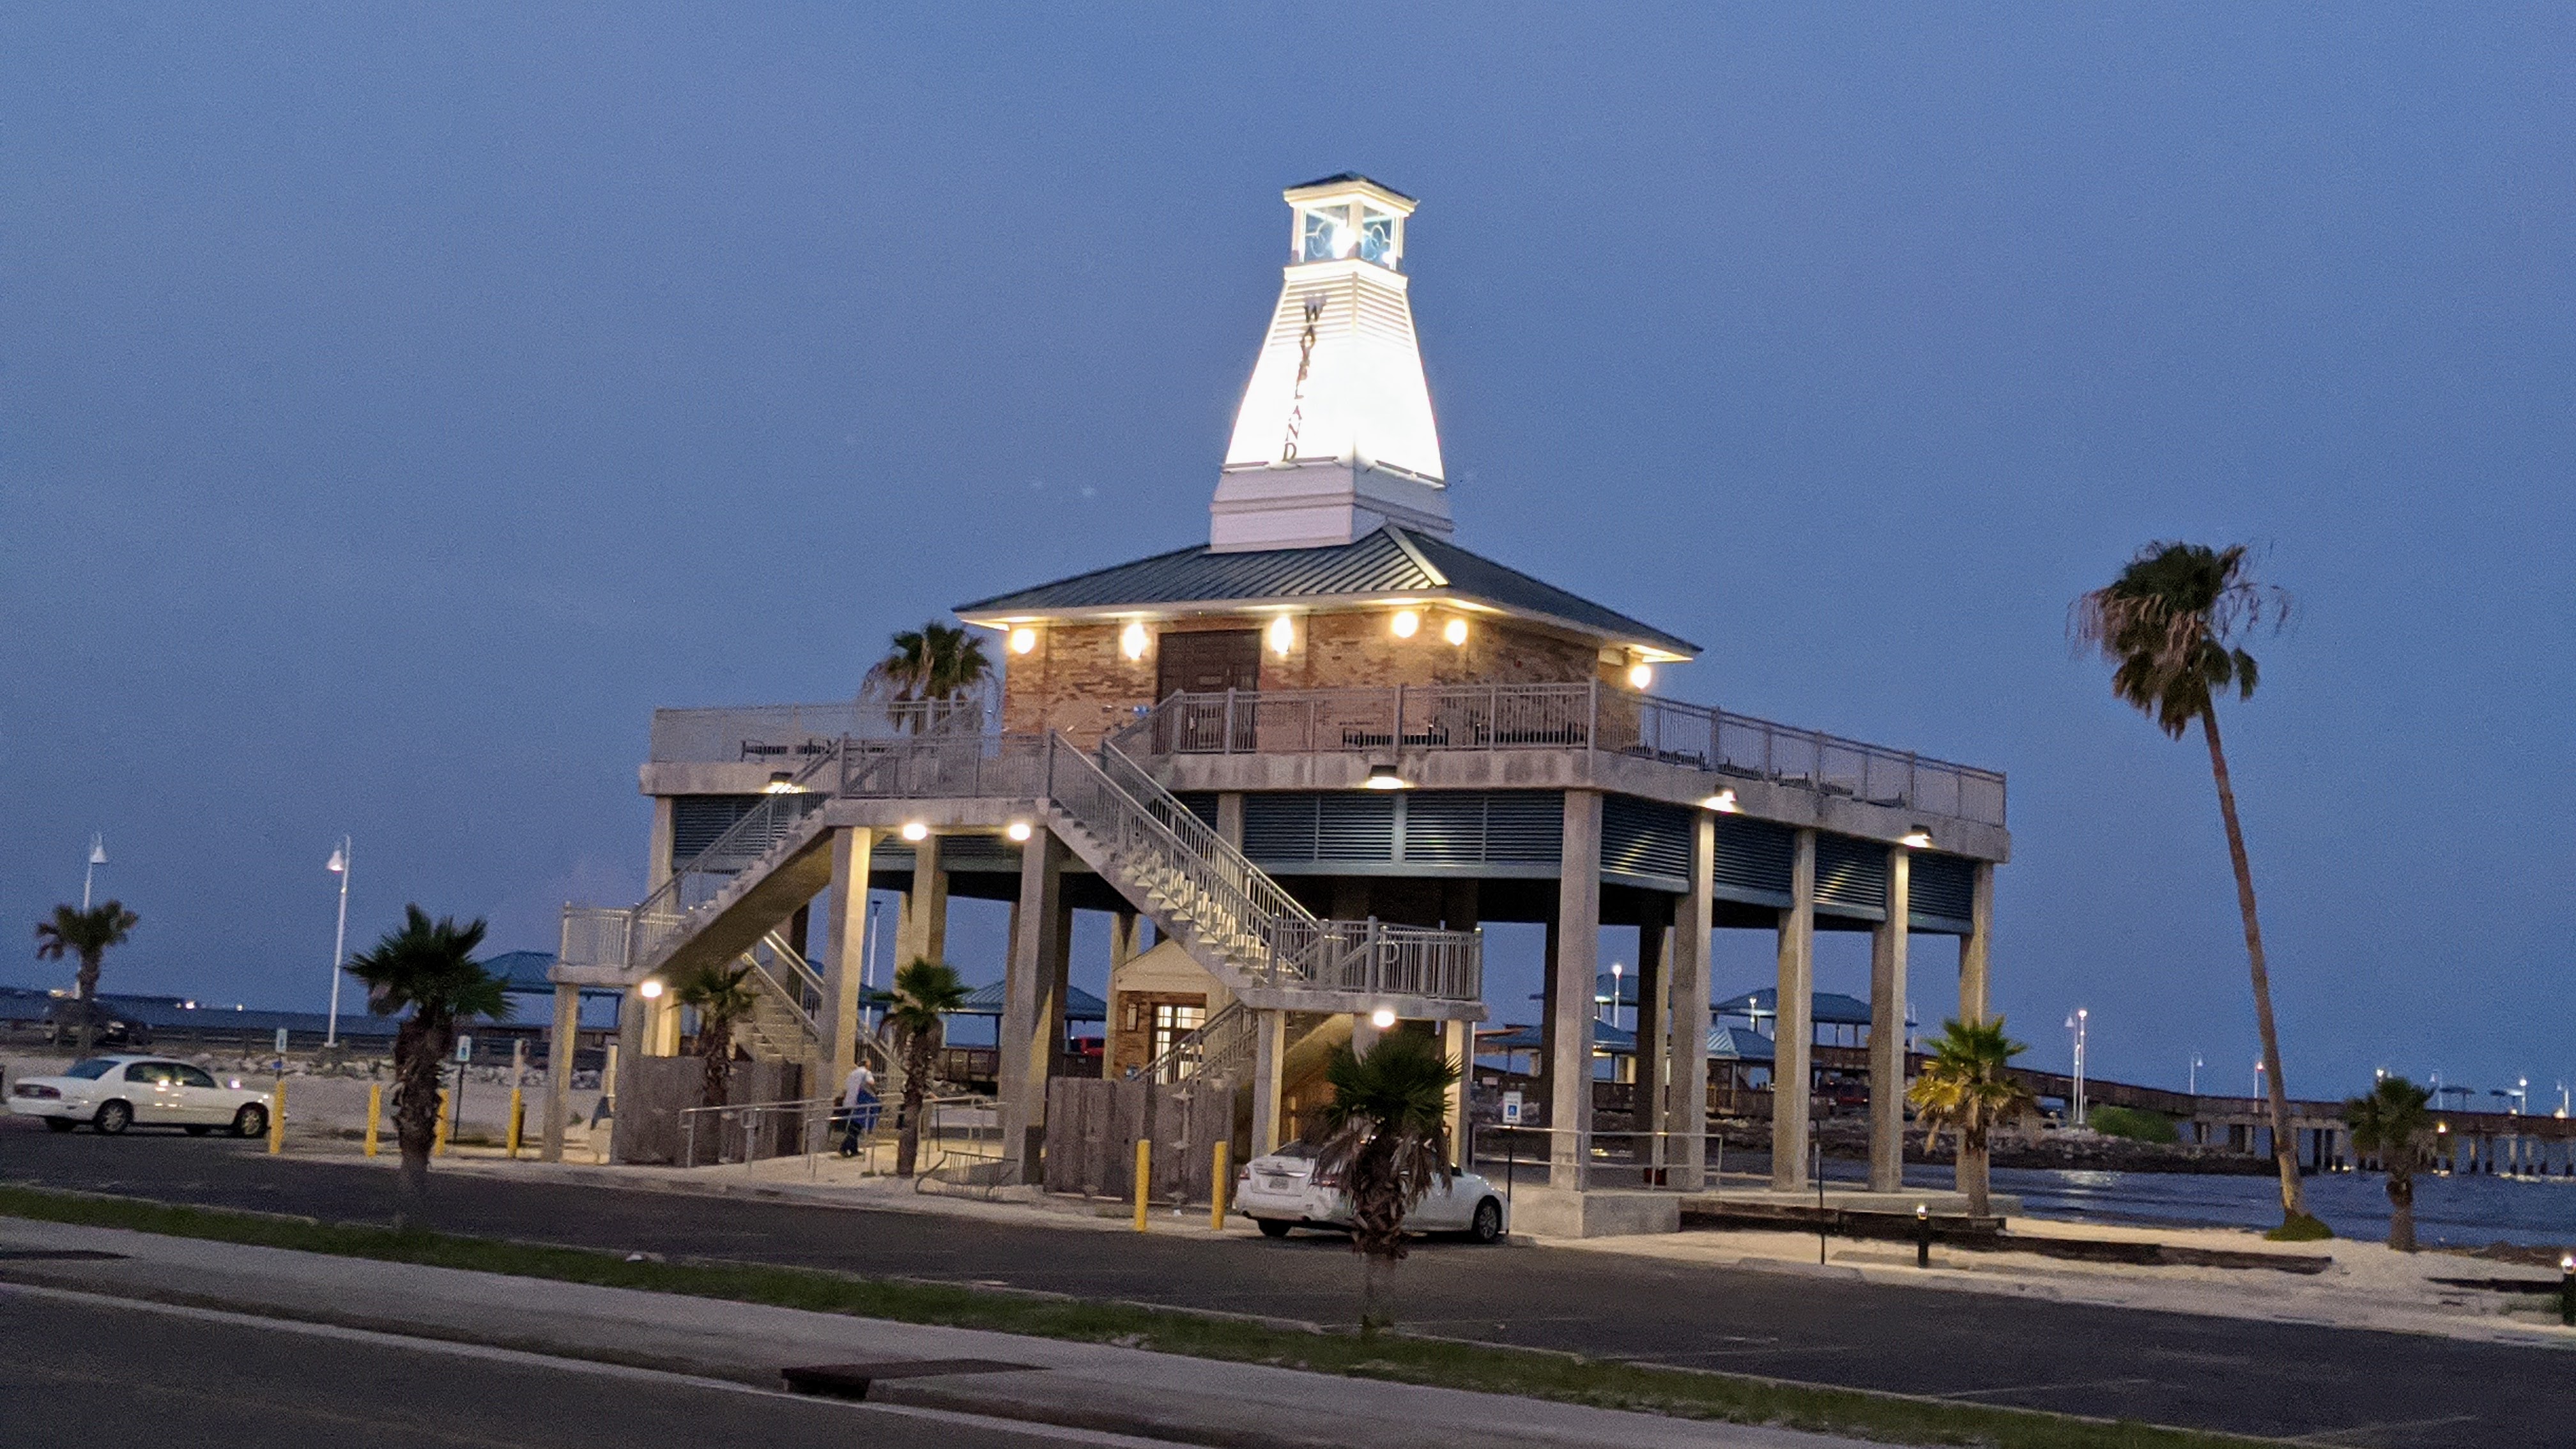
1390, 561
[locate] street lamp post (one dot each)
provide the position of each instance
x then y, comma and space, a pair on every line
97, 858
2076, 1024
339, 866
2195, 1074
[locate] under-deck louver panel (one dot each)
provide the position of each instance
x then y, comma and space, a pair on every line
1754, 860
1941, 890
1648, 839
1851, 874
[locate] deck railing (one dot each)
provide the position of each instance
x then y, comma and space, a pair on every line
788, 735
1712, 742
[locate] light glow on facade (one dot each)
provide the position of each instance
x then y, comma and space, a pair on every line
1023, 639
1640, 675
1407, 623
1455, 631
1282, 635
1132, 641
915, 830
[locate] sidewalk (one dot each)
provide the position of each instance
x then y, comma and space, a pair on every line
1089, 1386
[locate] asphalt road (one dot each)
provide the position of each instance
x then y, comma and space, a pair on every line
2353, 1387
79, 1374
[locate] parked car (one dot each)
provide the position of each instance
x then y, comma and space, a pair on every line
63, 1024
114, 1093
1281, 1191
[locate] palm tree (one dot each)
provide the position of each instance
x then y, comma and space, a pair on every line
86, 935
2389, 1124
427, 968
1967, 1086
924, 993
1387, 1140
722, 996
929, 667
2170, 626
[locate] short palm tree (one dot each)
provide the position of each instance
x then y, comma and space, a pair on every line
927, 668
1967, 1087
2390, 1124
924, 993
428, 969
2170, 625
85, 935
1387, 1141
721, 995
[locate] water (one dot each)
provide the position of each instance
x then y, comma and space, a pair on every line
2455, 1211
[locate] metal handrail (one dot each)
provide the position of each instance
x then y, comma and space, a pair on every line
1588, 716
1218, 1044
794, 732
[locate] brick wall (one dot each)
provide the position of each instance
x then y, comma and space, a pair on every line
1076, 681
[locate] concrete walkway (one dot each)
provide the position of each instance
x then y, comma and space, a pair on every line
1089, 1386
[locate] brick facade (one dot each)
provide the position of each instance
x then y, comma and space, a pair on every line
1076, 681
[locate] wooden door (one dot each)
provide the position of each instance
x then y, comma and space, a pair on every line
1208, 661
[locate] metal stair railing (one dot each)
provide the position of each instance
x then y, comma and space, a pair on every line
790, 980
1221, 1045
738, 853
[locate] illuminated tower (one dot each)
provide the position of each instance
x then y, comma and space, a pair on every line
1335, 437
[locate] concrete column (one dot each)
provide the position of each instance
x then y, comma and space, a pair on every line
561, 1042
1122, 938
844, 959
1269, 1058
1458, 1043
1973, 946
1686, 1093
1887, 1029
657, 861
1572, 973
1654, 939
1364, 1034
633, 1014
1032, 1023
1793, 1048
922, 932
1229, 817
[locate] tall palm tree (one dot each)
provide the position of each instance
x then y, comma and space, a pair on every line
2171, 625
935, 666
1967, 1086
2390, 1124
722, 996
428, 969
924, 993
86, 935
1386, 1140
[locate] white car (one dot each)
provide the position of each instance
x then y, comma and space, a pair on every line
1279, 1192
114, 1093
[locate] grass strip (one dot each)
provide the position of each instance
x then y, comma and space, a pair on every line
1527, 1373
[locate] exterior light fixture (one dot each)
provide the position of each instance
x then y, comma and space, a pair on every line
1640, 675
1384, 777
1915, 838
1018, 830
1132, 641
1283, 635
1023, 639
1455, 631
1407, 623
1723, 802
915, 830
780, 783
1382, 1018
651, 989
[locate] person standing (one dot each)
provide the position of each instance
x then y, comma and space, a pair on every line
859, 1108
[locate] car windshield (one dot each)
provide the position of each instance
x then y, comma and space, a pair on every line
92, 1069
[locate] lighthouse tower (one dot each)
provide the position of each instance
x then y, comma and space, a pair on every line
1334, 438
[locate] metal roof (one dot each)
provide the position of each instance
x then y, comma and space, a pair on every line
986, 1000
1725, 1043
1832, 1008
1391, 561
1345, 178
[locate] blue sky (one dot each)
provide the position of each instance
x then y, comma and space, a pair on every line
395, 408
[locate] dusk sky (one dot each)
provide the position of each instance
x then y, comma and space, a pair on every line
395, 408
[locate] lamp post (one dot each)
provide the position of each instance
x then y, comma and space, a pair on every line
339, 866
97, 858
2195, 1074
2076, 1024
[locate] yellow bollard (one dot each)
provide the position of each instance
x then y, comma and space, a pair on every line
518, 1121
375, 1113
438, 1139
1144, 1179
1217, 1186
277, 1118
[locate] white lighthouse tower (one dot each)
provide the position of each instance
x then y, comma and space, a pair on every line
1335, 436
